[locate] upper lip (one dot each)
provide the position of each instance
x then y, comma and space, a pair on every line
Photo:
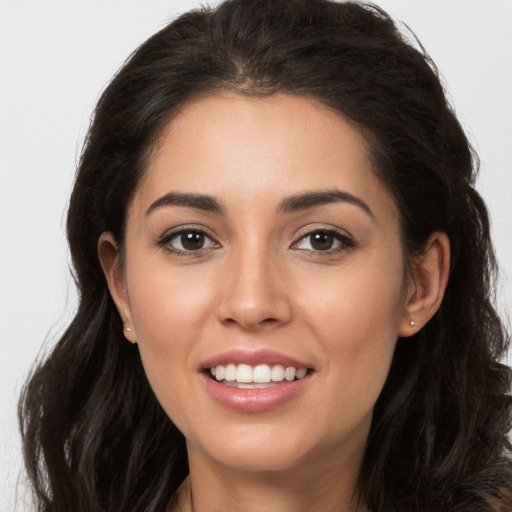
253, 358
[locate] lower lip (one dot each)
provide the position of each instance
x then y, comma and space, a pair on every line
255, 400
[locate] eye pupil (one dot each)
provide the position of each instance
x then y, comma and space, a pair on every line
192, 240
322, 241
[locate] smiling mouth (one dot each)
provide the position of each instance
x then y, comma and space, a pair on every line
262, 376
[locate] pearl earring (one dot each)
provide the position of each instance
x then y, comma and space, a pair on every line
412, 323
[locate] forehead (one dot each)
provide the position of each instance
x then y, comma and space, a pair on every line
255, 148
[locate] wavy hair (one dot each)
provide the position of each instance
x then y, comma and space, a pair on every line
96, 439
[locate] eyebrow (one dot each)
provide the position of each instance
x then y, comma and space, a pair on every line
290, 204
197, 201
312, 199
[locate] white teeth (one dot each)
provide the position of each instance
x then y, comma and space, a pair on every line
230, 373
252, 385
244, 373
289, 374
219, 372
261, 374
301, 373
277, 373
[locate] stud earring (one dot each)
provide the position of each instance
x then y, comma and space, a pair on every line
128, 329
412, 323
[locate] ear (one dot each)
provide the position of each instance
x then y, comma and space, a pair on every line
427, 284
110, 262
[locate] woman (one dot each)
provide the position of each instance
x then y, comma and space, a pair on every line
285, 278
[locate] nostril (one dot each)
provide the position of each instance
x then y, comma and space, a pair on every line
251, 323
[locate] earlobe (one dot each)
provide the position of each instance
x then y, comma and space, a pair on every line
427, 284
109, 258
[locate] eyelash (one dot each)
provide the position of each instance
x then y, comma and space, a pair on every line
165, 242
345, 242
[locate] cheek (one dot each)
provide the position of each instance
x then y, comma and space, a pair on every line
355, 303
170, 308
168, 304
356, 316
359, 331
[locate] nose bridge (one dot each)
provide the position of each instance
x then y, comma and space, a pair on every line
253, 293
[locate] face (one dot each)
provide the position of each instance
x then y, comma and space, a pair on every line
261, 244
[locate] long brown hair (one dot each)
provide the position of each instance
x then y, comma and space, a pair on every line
95, 437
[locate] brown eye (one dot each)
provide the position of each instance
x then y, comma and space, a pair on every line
192, 240
188, 241
323, 241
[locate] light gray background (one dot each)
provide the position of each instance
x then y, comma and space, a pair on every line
55, 58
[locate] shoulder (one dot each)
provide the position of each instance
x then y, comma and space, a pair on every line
489, 491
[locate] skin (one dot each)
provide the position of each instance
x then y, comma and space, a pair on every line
258, 282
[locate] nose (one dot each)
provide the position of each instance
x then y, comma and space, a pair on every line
254, 292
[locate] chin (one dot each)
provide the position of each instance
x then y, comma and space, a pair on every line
260, 459
263, 449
